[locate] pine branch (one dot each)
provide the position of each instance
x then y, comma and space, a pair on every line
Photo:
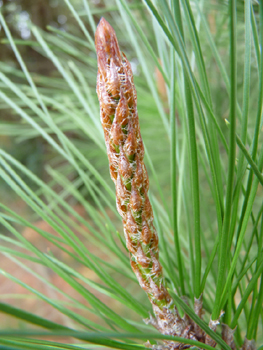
119, 117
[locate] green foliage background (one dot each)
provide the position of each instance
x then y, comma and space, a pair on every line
196, 65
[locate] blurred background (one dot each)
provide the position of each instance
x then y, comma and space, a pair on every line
17, 138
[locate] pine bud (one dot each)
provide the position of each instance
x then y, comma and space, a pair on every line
119, 118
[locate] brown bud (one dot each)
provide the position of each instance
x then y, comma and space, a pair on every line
135, 199
112, 82
107, 103
128, 91
138, 174
154, 243
113, 173
131, 246
117, 133
107, 47
146, 232
121, 191
145, 179
142, 259
105, 120
130, 145
122, 111
131, 225
122, 208
112, 155
140, 147
147, 208
125, 168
